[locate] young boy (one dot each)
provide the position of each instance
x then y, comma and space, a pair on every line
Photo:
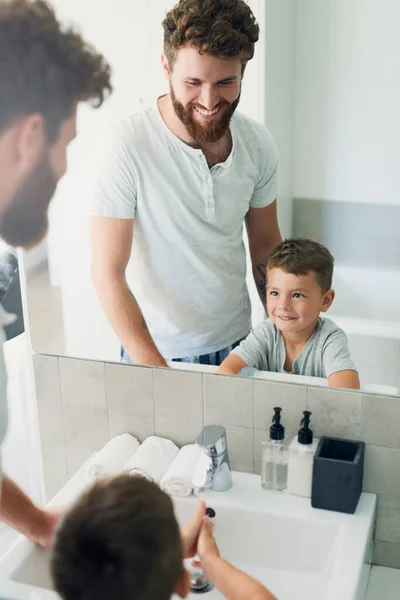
121, 541
295, 339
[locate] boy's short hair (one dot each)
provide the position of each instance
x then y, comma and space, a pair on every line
119, 541
300, 256
222, 28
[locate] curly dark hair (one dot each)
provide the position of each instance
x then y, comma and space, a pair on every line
300, 256
222, 28
44, 68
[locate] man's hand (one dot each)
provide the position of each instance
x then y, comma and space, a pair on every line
44, 525
19, 512
190, 533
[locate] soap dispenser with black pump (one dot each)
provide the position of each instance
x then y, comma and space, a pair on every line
274, 456
301, 459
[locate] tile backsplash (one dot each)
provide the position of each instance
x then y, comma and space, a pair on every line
82, 404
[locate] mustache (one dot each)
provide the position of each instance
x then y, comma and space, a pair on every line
219, 105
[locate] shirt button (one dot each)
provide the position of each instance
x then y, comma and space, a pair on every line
210, 205
208, 179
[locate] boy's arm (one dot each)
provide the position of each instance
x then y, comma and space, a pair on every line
230, 581
338, 364
345, 379
231, 365
233, 583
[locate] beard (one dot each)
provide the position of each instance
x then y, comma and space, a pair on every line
210, 131
24, 222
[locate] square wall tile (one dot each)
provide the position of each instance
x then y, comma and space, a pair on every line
47, 378
387, 554
260, 435
381, 422
76, 457
291, 398
178, 395
240, 448
228, 400
180, 431
85, 427
129, 389
388, 522
51, 424
50, 491
138, 425
82, 382
54, 465
335, 412
382, 471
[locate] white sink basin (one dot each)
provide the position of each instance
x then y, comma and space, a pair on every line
286, 544
284, 553
295, 550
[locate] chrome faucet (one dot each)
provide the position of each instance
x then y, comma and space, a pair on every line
212, 470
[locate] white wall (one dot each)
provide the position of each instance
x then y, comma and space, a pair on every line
120, 31
347, 98
346, 146
278, 98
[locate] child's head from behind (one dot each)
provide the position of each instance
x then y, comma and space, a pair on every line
119, 541
299, 279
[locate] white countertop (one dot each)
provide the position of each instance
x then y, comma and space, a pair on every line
245, 493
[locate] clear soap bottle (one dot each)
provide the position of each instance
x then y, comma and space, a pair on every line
274, 456
301, 459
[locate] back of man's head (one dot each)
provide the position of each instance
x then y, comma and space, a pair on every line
119, 541
44, 68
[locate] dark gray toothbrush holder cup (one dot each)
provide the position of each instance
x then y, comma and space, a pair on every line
337, 474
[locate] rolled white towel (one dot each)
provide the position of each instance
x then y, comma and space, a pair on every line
110, 460
177, 481
152, 459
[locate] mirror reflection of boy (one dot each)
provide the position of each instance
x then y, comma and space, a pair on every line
121, 540
295, 338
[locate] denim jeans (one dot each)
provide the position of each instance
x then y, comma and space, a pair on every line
213, 358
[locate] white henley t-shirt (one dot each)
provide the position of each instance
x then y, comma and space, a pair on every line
188, 263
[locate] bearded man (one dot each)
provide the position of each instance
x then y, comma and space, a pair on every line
45, 72
179, 182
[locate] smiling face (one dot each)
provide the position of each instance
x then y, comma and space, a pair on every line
205, 92
295, 301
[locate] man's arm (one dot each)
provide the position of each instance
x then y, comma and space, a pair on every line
19, 512
345, 379
264, 236
111, 241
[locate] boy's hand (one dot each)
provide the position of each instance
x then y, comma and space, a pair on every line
207, 548
190, 533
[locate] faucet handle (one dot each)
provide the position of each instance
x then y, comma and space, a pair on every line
203, 472
212, 438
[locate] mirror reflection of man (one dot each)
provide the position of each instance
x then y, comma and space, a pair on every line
179, 181
44, 73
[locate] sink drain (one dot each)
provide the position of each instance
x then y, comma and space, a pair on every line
199, 584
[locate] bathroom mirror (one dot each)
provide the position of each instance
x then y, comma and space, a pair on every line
324, 80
